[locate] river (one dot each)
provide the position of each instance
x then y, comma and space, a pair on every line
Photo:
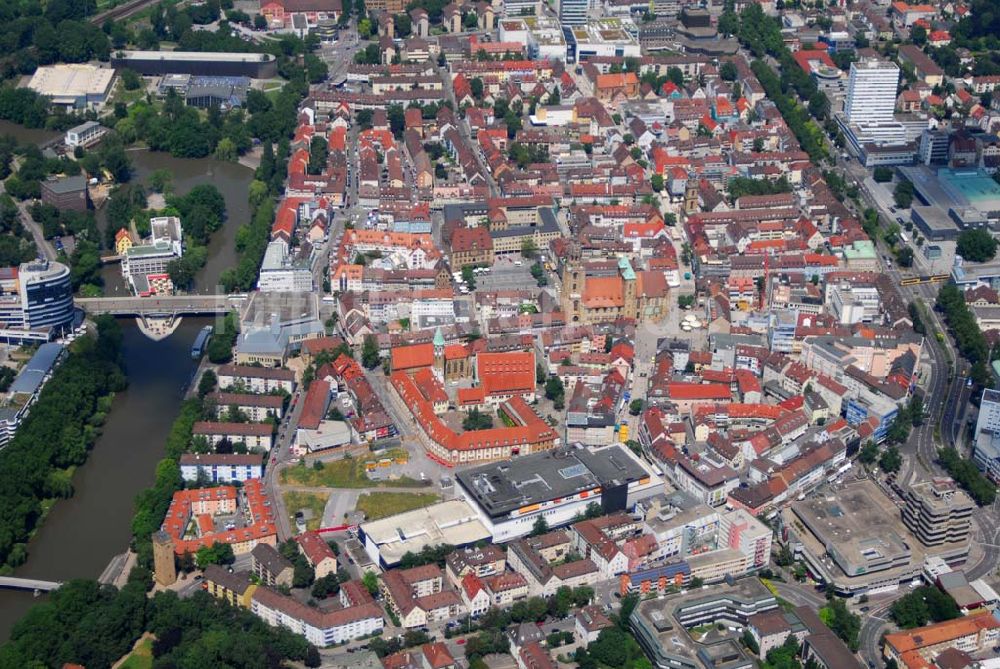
82, 534
232, 180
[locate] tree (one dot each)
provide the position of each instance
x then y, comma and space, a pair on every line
528, 248
130, 79
842, 622
883, 174
656, 182
476, 420
476, 87
728, 71
469, 277
919, 35
217, 553
370, 581
967, 475
729, 23
785, 557
317, 155
370, 357
904, 256
539, 527
207, 383
923, 605
220, 346
635, 407
397, 120
161, 181
869, 453
611, 647
891, 460
976, 245
302, 574
555, 391
903, 194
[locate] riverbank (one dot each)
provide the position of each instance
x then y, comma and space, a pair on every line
95, 524
60, 429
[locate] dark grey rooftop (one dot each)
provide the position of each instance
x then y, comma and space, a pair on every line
41, 363
66, 184
502, 487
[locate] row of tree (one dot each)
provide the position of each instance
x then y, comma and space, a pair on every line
969, 338
809, 135
761, 34
268, 185
94, 625
966, 474
57, 434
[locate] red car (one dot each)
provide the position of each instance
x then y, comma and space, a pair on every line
461, 642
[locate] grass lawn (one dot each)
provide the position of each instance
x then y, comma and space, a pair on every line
377, 505
314, 501
346, 473
141, 657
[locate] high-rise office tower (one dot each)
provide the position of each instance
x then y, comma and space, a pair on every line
986, 441
871, 91
573, 12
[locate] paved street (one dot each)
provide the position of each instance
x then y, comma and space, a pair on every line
873, 622
43, 245
280, 456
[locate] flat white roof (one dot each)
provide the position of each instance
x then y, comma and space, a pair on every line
454, 522
76, 80
225, 56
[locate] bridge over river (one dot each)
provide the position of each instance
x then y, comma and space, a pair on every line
165, 305
28, 584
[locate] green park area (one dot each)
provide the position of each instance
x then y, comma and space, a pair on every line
377, 505
141, 657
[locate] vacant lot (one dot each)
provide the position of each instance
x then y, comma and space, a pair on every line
315, 502
377, 505
346, 473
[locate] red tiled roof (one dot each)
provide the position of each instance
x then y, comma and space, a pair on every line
314, 548
506, 373
414, 356
314, 405
680, 390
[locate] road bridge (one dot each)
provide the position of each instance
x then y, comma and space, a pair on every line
15, 583
165, 305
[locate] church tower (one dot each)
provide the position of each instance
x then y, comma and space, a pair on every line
630, 307
439, 353
691, 195
573, 280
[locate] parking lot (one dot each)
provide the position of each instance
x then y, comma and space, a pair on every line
506, 274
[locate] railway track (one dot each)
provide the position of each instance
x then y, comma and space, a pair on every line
121, 11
